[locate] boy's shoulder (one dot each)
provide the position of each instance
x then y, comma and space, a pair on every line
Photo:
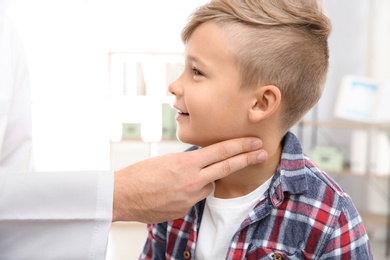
300, 175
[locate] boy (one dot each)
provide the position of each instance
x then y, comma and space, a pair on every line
254, 68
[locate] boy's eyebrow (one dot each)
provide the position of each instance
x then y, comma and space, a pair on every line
192, 58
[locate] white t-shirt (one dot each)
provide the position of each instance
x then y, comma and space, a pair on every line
221, 220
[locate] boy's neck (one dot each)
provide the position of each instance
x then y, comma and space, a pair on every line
245, 181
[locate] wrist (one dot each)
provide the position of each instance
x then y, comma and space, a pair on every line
119, 202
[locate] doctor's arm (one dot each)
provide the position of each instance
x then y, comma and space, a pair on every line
15, 101
67, 215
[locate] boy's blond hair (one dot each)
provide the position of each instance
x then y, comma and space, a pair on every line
277, 42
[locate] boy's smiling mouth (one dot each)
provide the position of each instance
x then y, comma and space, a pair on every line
183, 113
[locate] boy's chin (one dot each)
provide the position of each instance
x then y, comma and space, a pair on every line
197, 142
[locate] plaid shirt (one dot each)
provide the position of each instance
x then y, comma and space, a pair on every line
305, 215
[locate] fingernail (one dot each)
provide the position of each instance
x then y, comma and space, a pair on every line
261, 157
256, 144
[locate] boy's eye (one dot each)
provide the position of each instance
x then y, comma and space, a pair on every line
197, 72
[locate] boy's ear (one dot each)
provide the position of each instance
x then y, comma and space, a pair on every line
265, 102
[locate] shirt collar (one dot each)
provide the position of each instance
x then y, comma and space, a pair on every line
290, 176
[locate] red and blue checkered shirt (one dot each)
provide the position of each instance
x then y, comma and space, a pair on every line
304, 215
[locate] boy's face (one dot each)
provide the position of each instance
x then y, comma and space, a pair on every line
212, 106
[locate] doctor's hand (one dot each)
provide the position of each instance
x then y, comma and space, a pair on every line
166, 187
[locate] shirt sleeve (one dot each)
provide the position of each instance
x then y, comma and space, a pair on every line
349, 239
55, 215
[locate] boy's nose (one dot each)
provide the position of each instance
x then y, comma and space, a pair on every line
174, 88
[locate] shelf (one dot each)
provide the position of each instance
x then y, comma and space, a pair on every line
351, 173
346, 124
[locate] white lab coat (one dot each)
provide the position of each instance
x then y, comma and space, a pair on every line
61, 215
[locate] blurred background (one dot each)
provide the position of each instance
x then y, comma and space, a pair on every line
99, 69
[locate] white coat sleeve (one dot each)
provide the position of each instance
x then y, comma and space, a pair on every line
42, 215
15, 100
55, 215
